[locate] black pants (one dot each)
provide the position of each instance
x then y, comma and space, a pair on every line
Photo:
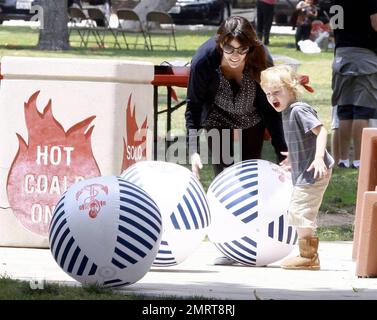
302, 33
352, 112
222, 152
265, 15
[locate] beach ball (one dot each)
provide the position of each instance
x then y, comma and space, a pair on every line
182, 203
105, 231
249, 203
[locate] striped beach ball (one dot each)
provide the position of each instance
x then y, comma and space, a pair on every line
249, 203
182, 203
105, 231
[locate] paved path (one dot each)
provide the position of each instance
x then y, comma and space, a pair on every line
196, 276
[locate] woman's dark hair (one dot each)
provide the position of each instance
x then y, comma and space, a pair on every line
240, 29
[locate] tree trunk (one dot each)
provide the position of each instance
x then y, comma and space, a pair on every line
53, 34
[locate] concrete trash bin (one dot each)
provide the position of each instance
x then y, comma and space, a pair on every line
64, 120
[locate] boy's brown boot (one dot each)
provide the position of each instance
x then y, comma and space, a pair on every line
308, 258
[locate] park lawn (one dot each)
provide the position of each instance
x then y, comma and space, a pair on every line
21, 41
340, 195
13, 289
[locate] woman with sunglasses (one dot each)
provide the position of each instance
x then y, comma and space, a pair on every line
224, 93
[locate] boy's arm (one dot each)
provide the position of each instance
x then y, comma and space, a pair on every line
321, 134
318, 164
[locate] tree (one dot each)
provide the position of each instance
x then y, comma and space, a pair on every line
53, 34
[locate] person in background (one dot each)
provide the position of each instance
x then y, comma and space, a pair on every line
74, 3
104, 6
335, 134
354, 80
224, 93
308, 160
306, 13
323, 7
265, 15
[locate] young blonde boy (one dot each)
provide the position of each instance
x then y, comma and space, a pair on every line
307, 159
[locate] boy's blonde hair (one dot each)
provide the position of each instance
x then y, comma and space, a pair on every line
282, 75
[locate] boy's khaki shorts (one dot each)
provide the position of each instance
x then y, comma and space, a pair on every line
305, 203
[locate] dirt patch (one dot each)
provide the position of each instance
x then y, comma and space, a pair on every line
336, 219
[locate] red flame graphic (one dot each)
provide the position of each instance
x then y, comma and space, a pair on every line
135, 147
45, 167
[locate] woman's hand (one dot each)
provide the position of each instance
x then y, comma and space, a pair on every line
196, 164
285, 164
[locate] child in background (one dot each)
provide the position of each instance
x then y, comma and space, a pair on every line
306, 13
307, 158
265, 15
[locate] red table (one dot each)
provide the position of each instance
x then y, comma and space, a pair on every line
167, 76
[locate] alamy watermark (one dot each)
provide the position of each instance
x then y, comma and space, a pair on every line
215, 146
337, 20
37, 284
38, 16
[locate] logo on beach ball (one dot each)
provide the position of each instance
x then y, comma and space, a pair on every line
105, 231
249, 203
182, 203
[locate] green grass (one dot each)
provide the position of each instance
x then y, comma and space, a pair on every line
21, 290
317, 66
13, 289
21, 41
335, 233
341, 193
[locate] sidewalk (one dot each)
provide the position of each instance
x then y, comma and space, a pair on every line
197, 277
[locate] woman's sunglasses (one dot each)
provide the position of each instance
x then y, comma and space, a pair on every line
227, 48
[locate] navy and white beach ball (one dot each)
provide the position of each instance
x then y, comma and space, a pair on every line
182, 203
105, 231
249, 203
